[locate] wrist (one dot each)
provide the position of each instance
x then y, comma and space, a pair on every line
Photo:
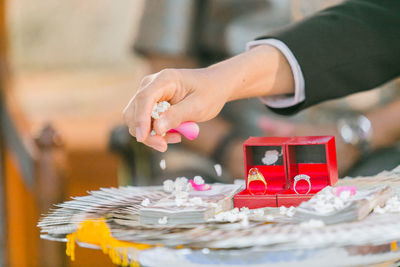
257, 69
260, 71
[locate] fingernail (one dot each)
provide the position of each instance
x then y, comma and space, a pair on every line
139, 135
173, 139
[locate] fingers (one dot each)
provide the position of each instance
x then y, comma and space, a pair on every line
137, 128
160, 143
157, 142
137, 114
143, 105
173, 138
154, 88
166, 85
140, 108
186, 110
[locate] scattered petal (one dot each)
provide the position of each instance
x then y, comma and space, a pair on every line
163, 164
163, 220
218, 169
145, 202
205, 251
198, 180
168, 186
270, 157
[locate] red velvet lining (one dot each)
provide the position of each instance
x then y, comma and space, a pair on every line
313, 168
318, 173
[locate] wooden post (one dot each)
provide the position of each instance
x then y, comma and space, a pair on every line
49, 189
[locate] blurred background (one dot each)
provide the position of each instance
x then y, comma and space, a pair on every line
68, 68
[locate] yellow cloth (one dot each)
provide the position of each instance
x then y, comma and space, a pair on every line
96, 232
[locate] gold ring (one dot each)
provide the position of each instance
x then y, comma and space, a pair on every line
255, 176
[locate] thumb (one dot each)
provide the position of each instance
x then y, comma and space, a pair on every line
174, 116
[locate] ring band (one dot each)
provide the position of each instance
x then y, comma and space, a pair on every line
253, 176
302, 177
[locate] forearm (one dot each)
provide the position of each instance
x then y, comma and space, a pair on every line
261, 71
386, 129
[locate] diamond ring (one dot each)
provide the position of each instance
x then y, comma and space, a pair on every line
302, 177
256, 182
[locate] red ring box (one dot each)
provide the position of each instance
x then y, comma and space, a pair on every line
314, 156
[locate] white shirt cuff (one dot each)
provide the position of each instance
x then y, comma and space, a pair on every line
283, 101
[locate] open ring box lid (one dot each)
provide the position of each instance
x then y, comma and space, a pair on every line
314, 156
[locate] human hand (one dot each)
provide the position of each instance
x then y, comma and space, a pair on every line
199, 94
192, 93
